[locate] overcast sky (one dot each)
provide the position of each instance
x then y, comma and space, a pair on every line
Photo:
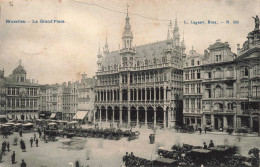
55, 53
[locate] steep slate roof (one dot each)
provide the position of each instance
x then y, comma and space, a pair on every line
218, 44
143, 52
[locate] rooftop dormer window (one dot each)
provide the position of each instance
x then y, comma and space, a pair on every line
218, 58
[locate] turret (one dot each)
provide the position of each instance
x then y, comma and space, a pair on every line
127, 37
99, 55
106, 48
127, 52
183, 47
176, 35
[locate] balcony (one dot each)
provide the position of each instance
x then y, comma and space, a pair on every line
21, 108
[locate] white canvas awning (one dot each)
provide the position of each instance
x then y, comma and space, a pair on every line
53, 115
80, 115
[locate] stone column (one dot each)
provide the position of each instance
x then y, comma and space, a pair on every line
154, 118
113, 116
112, 96
128, 94
164, 94
99, 115
145, 122
164, 118
159, 94
120, 116
106, 115
94, 116
145, 92
128, 117
212, 121
154, 94
235, 121
137, 117
141, 94
225, 123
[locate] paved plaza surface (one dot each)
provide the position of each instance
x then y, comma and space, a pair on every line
108, 153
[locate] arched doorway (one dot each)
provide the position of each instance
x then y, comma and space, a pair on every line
133, 114
141, 114
124, 114
159, 115
97, 114
116, 113
109, 113
22, 117
150, 114
103, 113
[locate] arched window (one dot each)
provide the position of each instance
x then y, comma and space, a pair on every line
131, 61
124, 62
146, 62
218, 91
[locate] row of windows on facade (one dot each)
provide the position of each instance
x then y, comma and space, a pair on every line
191, 74
244, 72
190, 89
218, 106
20, 79
16, 91
190, 103
218, 58
255, 89
151, 94
130, 63
219, 91
136, 79
21, 102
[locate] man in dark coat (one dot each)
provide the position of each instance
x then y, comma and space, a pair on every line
31, 141
21, 133
37, 141
211, 144
8, 146
23, 164
204, 145
3, 147
13, 158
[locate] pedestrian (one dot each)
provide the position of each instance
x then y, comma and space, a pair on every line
205, 130
21, 133
31, 141
3, 147
36, 141
23, 146
200, 130
211, 144
21, 143
204, 145
23, 164
34, 136
13, 158
8, 146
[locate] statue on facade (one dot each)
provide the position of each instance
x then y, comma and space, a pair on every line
256, 22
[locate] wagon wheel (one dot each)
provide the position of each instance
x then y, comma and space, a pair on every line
212, 163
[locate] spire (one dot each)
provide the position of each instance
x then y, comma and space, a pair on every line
176, 28
99, 53
168, 34
20, 62
127, 36
106, 49
106, 44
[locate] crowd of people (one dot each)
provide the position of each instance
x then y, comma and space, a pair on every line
6, 147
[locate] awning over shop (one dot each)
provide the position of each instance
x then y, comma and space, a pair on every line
53, 115
80, 115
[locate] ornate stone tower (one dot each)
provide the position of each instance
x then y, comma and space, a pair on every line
127, 52
176, 35
99, 55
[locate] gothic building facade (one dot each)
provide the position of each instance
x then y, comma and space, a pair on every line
140, 85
